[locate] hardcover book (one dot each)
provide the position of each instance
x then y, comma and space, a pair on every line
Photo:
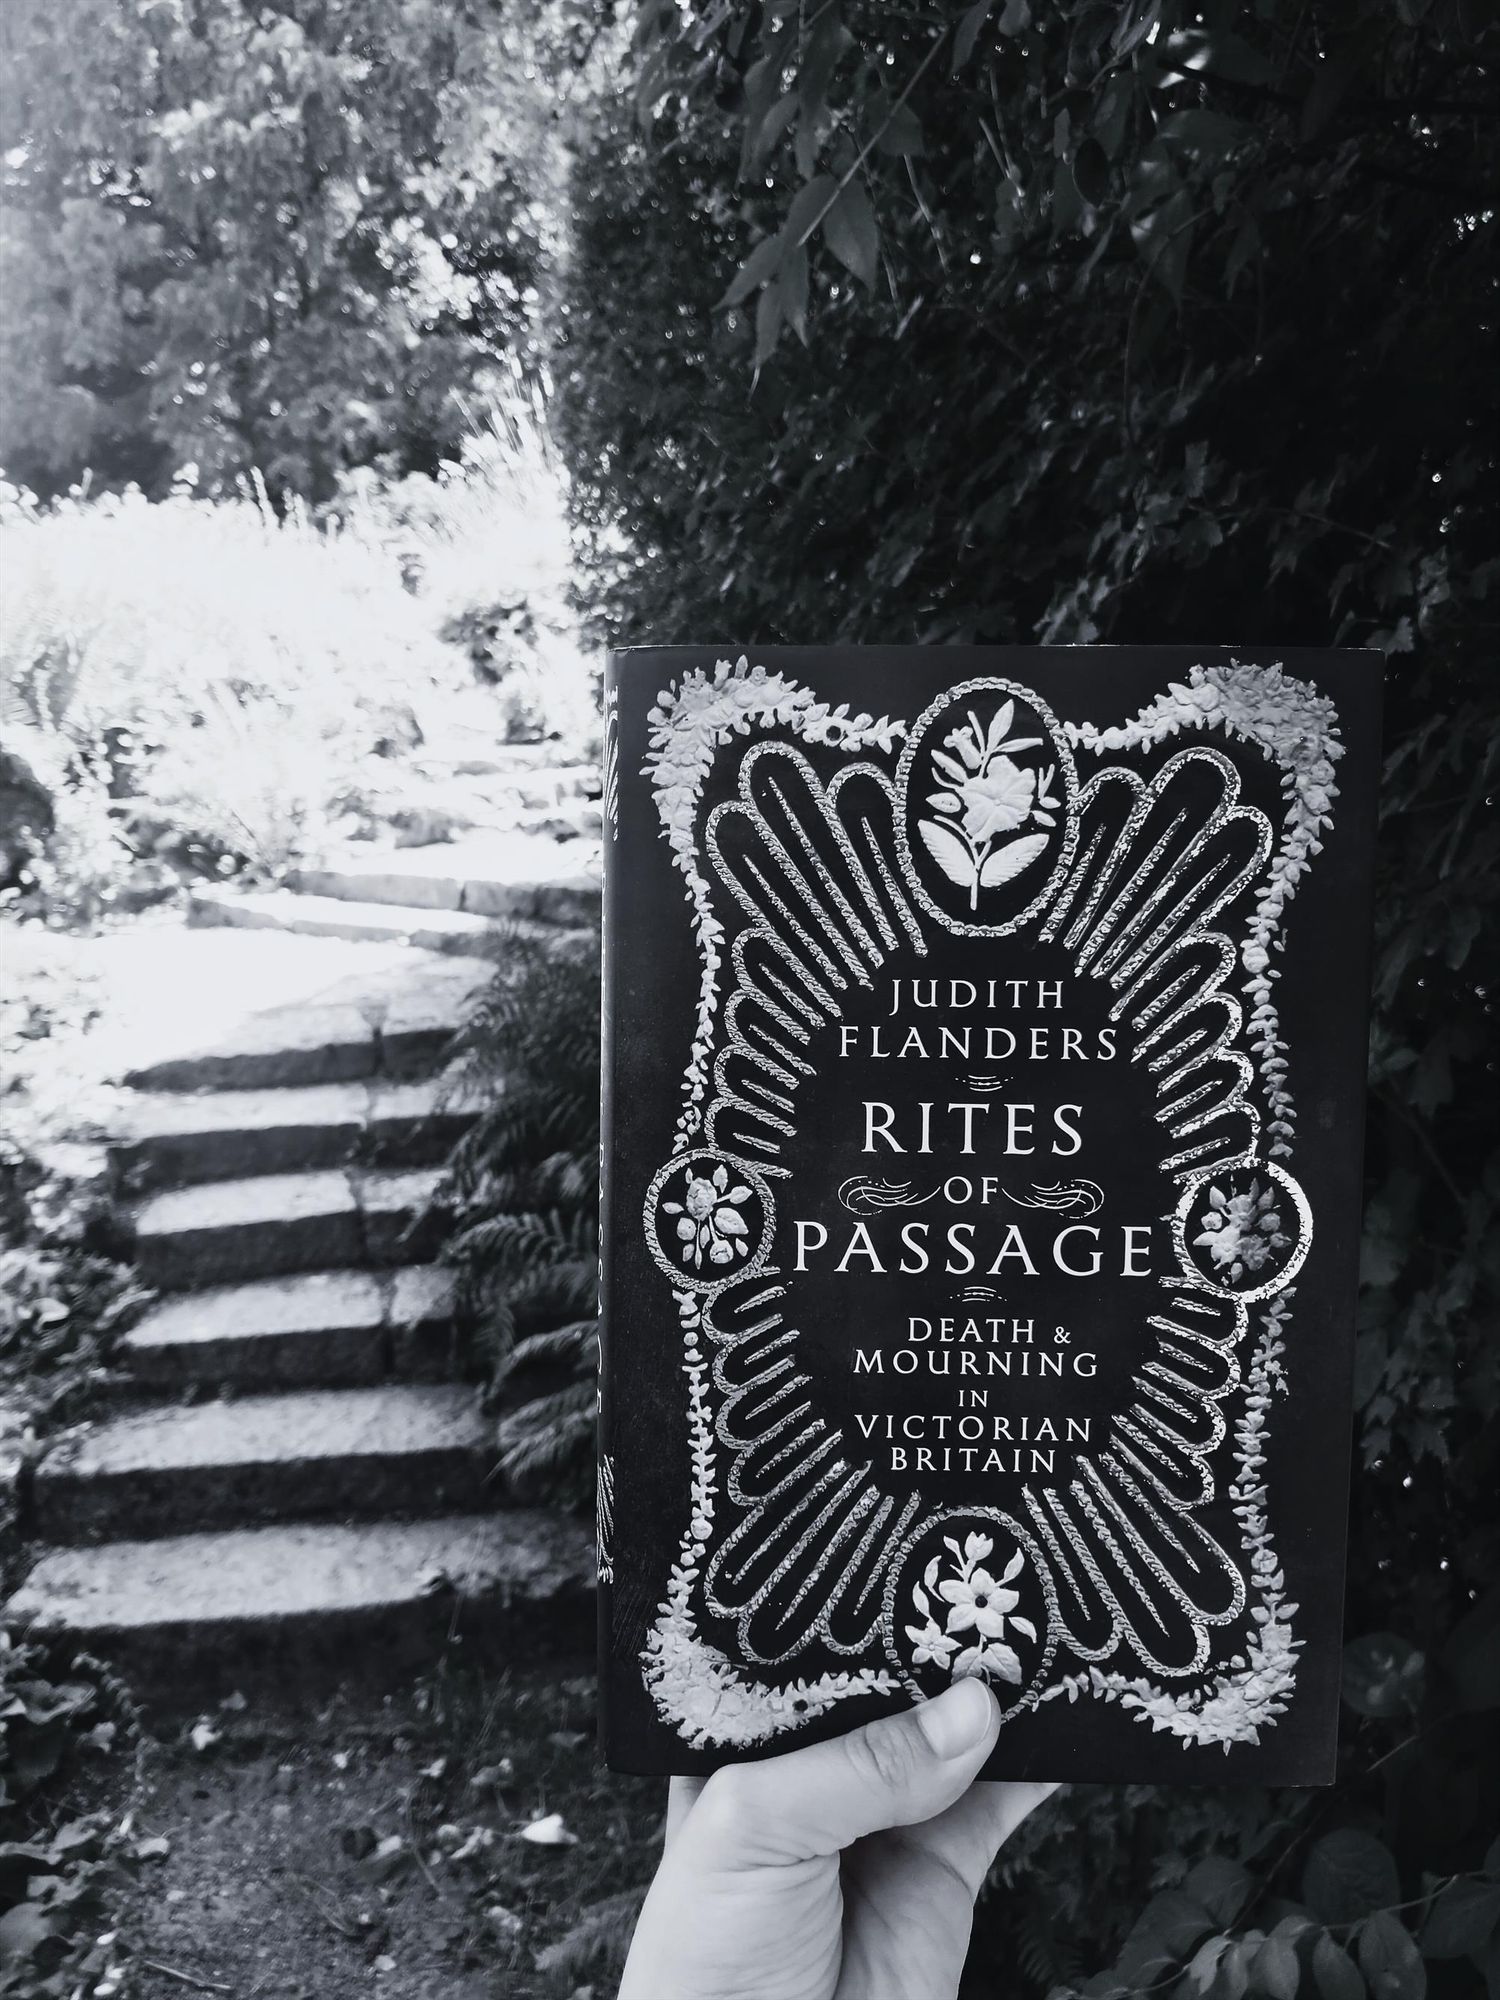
984, 1051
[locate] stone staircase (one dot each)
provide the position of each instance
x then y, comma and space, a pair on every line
295, 1462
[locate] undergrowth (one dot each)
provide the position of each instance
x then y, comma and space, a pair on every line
525, 1180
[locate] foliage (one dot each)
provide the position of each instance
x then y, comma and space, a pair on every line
526, 1181
223, 681
1001, 323
60, 1869
293, 240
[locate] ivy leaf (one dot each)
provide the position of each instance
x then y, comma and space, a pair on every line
850, 231
1015, 19
1389, 1959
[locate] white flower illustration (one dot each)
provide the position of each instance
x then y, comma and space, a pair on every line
997, 800
984, 801
978, 1604
1241, 1231
709, 1222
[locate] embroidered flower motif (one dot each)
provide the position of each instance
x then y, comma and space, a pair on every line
709, 1222
1241, 1232
998, 801
985, 794
978, 1604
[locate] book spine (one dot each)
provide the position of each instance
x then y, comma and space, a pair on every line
605, 1453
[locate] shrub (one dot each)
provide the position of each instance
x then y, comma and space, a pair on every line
60, 1868
526, 1178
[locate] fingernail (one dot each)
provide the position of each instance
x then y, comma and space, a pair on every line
957, 1719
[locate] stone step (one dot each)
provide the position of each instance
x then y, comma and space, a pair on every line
346, 1453
391, 1024
225, 1232
325, 916
170, 1139
315, 1328
515, 875
328, 1594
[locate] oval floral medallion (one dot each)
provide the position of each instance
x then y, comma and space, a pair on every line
1243, 1231
986, 821
708, 1220
968, 1599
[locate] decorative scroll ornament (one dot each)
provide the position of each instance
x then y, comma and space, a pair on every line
1148, 1577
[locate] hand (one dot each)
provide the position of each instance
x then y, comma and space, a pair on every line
845, 1871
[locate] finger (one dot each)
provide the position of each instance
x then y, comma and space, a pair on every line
912, 1891
969, 1835
894, 1772
682, 1794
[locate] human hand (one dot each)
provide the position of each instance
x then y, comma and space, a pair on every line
843, 1871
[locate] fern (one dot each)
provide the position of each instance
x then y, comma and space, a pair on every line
525, 1183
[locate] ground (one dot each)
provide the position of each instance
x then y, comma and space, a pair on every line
320, 1848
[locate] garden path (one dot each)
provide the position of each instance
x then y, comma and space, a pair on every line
296, 1464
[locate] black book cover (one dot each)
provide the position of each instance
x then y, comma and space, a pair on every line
984, 1063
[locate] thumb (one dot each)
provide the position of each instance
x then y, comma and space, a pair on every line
895, 1772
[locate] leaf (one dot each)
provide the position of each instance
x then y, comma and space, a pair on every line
1471, 1658
967, 33
22, 1929
1008, 861
1349, 1874
768, 317
1015, 19
1337, 1976
807, 205
999, 728
1163, 239
1389, 1959
948, 851
1204, 1964
850, 232
757, 267
1382, 1675
901, 134
1461, 1919
1274, 1969
772, 129
1091, 171
1222, 1886
549, 1831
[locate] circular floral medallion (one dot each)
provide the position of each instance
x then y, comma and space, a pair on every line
968, 1597
1243, 1231
708, 1220
986, 822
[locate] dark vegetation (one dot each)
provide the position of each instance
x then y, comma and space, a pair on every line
1092, 323
933, 322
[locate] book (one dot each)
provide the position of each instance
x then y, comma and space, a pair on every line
984, 1057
